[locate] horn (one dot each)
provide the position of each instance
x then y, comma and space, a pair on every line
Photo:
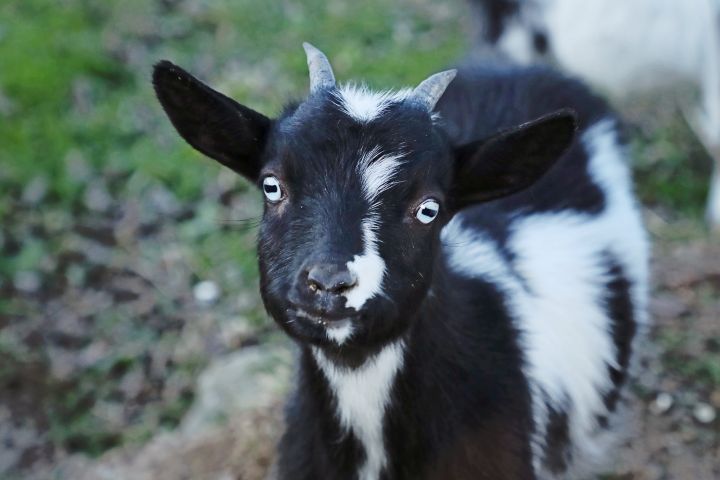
431, 89
321, 74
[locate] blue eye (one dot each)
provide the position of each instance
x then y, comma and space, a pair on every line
271, 189
427, 211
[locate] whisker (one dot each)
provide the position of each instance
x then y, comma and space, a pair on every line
252, 222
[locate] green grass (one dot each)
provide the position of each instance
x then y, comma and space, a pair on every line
74, 90
79, 82
671, 168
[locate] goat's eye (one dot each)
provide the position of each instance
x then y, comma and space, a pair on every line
427, 211
271, 189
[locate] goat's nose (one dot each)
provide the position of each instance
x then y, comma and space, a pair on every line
331, 278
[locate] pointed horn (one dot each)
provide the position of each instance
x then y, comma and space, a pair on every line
321, 74
431, 89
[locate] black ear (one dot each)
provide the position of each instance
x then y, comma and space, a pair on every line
212, 123
511, 160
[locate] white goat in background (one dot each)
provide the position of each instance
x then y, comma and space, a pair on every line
623, 47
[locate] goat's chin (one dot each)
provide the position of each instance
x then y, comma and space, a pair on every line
367, 330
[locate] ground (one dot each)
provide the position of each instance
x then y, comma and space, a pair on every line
128, 283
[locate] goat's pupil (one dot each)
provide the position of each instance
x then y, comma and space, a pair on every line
428, 212
271, 188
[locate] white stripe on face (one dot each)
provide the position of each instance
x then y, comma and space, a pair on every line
377, 172
363, 104
369, 267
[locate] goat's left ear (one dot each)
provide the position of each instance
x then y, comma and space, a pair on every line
511, 160
212, 123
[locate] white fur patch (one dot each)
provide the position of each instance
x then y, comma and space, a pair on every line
369, 268
713, 206
555, 288
377, 172
362, 395
339, 335
649, 46
674, 40
363, 104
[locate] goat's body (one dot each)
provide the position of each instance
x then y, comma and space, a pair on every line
623, 48
514, 365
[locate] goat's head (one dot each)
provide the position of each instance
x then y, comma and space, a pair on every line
357, 187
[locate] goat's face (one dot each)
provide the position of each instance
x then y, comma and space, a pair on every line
353, 210
357, 187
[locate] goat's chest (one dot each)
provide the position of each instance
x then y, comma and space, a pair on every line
361, 396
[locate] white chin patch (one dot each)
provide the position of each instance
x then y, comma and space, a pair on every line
339, 335
369, 269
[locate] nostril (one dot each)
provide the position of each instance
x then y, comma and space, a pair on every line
331, 278
343, 282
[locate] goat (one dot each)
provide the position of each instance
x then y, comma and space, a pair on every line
624, 48
462, 265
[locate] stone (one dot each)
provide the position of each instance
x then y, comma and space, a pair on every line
662, 403
251, 378
704, 413
206, 292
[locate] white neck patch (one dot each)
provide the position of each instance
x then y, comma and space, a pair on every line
362, 395
365, 105
339, 334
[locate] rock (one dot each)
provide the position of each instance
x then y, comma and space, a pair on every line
206, 292
242, 449
662, 403
77, 167
35, 191
704, 413
27, 281
164, 201
253, 377
97, 198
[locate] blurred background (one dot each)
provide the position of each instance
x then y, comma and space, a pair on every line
133, 343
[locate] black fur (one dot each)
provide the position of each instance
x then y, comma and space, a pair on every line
624, 327
493, 16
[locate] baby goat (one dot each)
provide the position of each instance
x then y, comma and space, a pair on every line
462, 267
625, 48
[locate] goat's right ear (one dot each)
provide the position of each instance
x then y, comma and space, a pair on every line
212, 123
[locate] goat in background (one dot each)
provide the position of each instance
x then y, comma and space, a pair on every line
622, 47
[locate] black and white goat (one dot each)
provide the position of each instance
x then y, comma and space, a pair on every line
624, 48
463, 268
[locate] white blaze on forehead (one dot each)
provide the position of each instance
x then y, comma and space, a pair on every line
377, 172
362, 395
365, 105
369, 268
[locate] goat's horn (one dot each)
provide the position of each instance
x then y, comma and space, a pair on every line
431, 89
321, 74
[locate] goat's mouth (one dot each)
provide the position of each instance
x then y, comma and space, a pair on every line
327, 320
